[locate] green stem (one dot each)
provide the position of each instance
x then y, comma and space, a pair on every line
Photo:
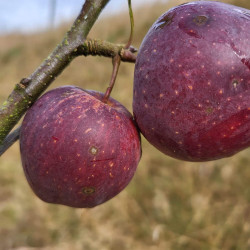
131, 16
117, 58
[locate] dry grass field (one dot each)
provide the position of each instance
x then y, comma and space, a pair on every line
170, 204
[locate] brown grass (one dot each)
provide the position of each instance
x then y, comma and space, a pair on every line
169, 204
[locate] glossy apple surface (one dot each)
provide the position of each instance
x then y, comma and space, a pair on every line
77, 150
192, 82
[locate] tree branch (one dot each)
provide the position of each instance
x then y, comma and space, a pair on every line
74, 44
91, 47
29, 89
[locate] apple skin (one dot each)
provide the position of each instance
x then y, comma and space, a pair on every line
77, 150
192, 82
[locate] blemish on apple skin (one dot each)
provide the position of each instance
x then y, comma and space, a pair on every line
209, 110
93, 150
88, 190
246, 61
55, 139
200, 20
164, 21
235, 83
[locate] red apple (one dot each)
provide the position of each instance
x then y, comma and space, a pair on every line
192, 81
77, 150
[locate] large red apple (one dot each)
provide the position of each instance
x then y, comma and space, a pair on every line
77, 150
192, 82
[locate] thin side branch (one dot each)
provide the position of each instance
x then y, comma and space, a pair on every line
96, 47
9, 140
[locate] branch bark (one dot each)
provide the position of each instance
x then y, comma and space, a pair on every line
74, 44
9, 140
96, 47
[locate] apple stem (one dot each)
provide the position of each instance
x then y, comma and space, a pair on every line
117, 58
116, 63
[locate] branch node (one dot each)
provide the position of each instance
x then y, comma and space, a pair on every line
127, 55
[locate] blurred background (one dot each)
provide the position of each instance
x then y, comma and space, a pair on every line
169, 204
30, 16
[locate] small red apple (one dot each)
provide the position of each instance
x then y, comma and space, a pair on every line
192, 81
77, 150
